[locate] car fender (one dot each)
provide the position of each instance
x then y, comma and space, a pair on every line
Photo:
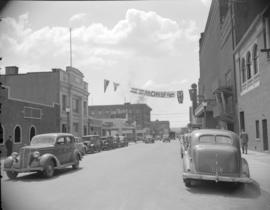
186, 162
8, 162
44, 158
76, 152
245, 168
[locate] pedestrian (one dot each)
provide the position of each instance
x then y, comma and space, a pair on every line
9, 145
244, 141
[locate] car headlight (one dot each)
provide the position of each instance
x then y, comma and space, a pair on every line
36, 154
14, 155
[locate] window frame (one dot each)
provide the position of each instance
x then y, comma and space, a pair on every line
14, 130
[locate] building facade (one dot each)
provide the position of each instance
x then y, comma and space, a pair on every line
23, 120
252, 62
57, 87
136, 114
160, 128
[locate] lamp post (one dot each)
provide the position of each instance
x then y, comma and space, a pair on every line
204, 103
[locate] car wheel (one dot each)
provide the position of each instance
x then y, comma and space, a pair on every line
48, 170
12, 174
76, 163
187, 183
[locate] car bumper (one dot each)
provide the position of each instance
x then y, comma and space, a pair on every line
216, 178
21, 170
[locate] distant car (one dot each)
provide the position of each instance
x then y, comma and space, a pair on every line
214, 155
166, 139
46, 153
107, 142
80, 145
92, 143
149, 140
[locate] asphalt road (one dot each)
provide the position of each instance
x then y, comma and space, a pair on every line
138, 177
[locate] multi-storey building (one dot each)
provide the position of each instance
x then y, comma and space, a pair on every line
252, 62
64, 88
160, 128
136, 114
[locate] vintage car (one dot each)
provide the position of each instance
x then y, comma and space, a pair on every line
80, 145
107, 142
123, 141
214, 155
46, 153
92, 143
166, 139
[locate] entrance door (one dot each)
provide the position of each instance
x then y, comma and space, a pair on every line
265, 134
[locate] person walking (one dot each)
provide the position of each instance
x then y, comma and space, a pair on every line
244, 141
9, 145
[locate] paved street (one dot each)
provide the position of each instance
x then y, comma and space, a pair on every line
138, 177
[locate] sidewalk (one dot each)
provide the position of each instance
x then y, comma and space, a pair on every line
259, 167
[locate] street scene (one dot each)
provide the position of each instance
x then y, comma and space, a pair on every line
143, 105
140, 176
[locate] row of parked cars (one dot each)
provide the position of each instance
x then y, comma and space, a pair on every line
213, 155
48, 152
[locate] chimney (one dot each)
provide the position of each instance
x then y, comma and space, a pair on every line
12, 70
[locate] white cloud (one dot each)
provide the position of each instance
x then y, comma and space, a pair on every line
206, 2
140, 33
172, 85
78, 17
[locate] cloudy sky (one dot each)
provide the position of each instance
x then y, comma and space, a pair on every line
150, 45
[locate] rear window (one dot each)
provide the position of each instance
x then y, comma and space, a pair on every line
207, 139
211, 139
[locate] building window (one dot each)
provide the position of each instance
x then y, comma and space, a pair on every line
33, 113
85, 108
32, 133
255, 58
64, 102
243, 70
17, 134
248, 65
1, 134
257, 124
75, 105
76, 127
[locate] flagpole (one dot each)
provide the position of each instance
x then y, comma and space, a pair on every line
70, 45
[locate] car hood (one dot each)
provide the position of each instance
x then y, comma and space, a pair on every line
44, 146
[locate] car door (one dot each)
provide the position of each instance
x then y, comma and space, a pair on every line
60, 147
69, 149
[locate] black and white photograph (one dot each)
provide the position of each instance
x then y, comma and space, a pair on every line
135, 105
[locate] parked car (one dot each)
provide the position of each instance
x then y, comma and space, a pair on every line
80, 145
116, 142
166, 139
107, 142
92, 143
123, 141
46, 153
149, 139
214, 155
184, 143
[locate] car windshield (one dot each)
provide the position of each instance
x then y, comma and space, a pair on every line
41, 140
211, 139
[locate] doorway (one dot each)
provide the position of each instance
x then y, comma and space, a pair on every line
265, 134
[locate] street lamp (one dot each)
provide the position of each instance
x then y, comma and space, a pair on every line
204, 103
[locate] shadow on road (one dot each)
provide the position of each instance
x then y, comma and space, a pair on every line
251, 190
38, 176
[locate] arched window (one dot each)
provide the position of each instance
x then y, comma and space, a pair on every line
1, 134
255, 58
32, 133
17, 134
248, 65
243, 70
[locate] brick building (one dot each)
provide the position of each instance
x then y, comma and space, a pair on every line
64, 88
22, 120
252, 62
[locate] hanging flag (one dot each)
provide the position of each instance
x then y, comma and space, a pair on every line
106, 83
115, 85
180, 96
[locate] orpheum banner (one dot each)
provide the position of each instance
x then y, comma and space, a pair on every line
152, 93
